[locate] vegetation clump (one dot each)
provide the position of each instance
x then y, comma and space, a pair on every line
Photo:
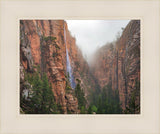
49, 38
79, 93
40, 98
107, 102
54, 54
132, 107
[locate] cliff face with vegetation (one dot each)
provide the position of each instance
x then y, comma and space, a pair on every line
118, 63
43, 45
79, 65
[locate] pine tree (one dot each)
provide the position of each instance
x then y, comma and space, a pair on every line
108, 101
133, 107
36, 94
48, 104
79, 93
41, 99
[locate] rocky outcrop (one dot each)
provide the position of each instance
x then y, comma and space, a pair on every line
119, 63
42, 45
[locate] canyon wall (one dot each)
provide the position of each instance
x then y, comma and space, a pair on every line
79, 65
42, 44
118, 63
43, 47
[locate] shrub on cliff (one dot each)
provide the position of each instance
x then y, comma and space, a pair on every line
49, 38
54, 54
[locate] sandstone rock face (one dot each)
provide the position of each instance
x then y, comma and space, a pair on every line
119, 63
80, 67
42, 44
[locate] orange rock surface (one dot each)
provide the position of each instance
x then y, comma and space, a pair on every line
119, 63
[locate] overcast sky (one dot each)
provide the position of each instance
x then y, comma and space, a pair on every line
91, 34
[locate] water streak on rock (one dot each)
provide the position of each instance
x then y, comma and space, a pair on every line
69, 68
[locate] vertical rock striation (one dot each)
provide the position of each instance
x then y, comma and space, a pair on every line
42, 44
119, 63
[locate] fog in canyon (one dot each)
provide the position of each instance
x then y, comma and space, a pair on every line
92, 34
55, 77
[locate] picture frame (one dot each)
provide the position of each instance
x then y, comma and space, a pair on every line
147, 122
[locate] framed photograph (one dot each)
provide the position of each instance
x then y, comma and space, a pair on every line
80, 67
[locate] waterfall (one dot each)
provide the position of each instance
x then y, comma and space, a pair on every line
69, 68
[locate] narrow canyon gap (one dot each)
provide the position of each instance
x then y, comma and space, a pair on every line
47, 47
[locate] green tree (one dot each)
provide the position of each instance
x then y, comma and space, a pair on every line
41, 99
89, 110
35, 98
133, 107
94, 109
108, 101
79, 93
48, 104
83, 110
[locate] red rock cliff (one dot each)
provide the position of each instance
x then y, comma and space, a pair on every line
42, 44
119, 63
81, 69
